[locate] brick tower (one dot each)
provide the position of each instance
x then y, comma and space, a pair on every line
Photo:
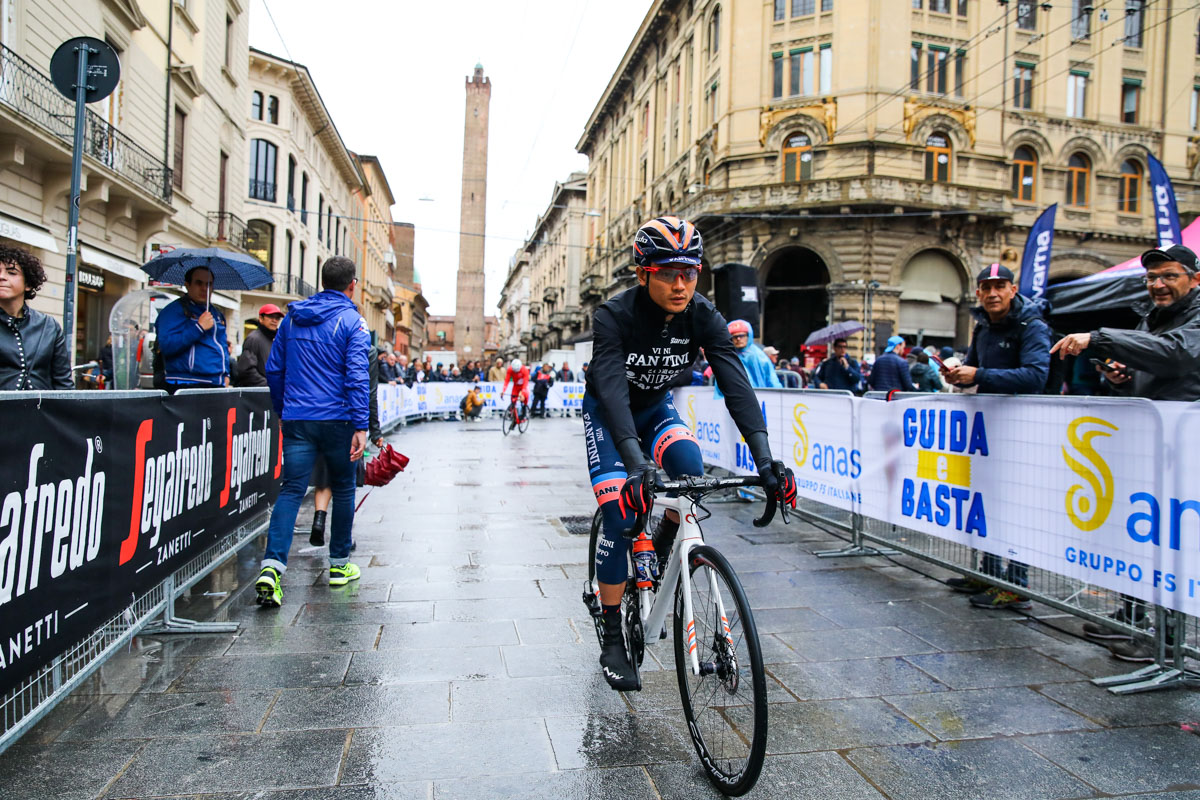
468, 311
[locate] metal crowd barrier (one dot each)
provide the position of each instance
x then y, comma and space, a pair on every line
151, 614
1174, 636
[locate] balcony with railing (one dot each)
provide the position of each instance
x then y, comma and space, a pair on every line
289, 285
591, 287
227, 229
565, 318
29, 96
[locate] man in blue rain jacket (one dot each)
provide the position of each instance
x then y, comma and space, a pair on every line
320, 385
190, 334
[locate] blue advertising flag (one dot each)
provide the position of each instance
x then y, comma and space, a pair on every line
1035, 263
1166, 215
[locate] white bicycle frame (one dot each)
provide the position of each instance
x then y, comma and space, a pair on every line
654, 608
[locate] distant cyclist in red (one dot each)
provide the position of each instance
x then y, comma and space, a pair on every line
518, 376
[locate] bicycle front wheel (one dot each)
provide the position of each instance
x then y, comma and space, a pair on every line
507, 422
726, 704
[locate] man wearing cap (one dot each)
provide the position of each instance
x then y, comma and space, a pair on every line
252, 363
890, 371
1161, 358
1009, 354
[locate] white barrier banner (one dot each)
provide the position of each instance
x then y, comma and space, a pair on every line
815, 436
398, 400
1095, 490
711, 425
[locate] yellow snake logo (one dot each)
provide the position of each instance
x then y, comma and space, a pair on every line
691, 413
1088, 507
437, 393
800, 448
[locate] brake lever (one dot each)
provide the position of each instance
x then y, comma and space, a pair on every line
768, 514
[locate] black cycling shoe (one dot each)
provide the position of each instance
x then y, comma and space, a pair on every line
614, 663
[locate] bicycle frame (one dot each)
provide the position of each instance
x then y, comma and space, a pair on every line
654, 607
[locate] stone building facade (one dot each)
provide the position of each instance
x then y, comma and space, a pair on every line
515, 334
553, 261
302, 197
163, 154
867, 157
376, 290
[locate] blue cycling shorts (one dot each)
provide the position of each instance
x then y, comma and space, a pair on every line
665, 439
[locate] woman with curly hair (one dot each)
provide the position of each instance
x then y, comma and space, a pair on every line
33, 350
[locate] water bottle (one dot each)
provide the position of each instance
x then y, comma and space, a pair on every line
645, 562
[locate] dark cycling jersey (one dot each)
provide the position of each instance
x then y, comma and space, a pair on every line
637, 354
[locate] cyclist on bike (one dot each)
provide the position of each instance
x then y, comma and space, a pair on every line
518, 376
642, 340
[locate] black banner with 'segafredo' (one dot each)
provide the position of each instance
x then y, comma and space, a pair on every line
101, 499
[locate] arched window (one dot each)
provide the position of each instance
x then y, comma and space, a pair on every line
262, 170
797, 158
714, 32
256, 105
937, 158
260, 241
273, 110
1130, 191
1079, 172
1024, 174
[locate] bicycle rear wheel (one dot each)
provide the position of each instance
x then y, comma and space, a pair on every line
726, 705
524, 426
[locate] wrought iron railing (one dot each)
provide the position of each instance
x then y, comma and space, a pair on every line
262, 190
291, 284
226, 227
31, 94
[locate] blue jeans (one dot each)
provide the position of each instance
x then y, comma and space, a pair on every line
304, 441
1016, 572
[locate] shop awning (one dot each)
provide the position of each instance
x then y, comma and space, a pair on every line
110, 263
26, 233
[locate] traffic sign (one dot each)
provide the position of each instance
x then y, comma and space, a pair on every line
103, 68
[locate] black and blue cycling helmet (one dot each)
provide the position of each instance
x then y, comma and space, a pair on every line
667, 240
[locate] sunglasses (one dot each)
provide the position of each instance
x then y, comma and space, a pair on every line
669, 274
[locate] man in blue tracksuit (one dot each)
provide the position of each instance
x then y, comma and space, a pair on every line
1009, 354
758, 364
190, 334
320, 386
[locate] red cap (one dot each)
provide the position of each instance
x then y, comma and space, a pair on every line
270, 308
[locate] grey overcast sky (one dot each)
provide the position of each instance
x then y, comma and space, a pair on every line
392, 75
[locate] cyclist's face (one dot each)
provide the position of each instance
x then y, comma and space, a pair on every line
670, 287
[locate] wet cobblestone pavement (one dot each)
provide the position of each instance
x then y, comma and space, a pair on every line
462, 665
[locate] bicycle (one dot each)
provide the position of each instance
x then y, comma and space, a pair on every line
723, 656
513, 419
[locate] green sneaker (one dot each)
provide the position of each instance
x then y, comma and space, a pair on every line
269, 588
343, 574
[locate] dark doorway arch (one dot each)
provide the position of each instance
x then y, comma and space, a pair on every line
795, 299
